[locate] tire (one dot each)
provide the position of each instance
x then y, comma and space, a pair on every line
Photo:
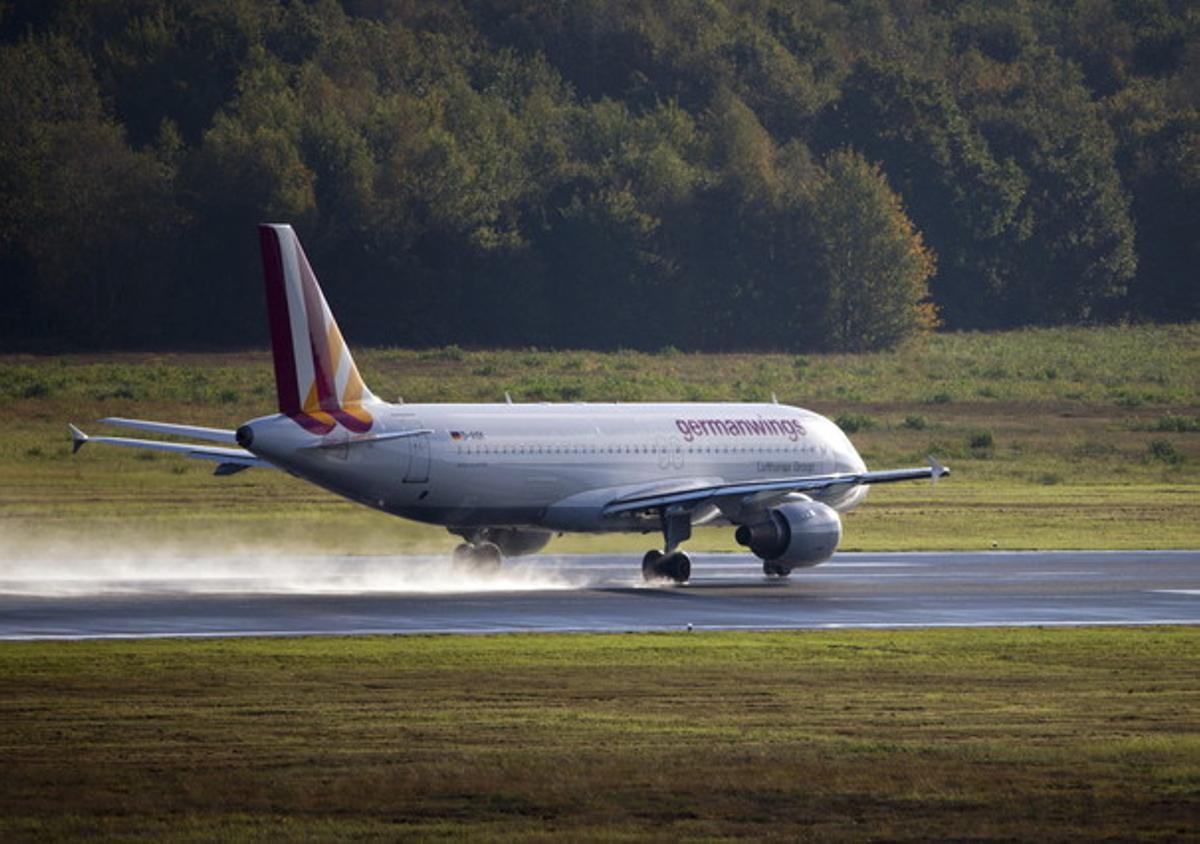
651, 570
677, 566
487, 557
775, 569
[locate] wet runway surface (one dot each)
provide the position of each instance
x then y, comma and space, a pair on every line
250, 596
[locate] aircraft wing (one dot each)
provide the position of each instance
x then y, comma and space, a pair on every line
229, 460
694, 497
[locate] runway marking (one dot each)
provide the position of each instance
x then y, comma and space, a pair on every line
836, 565
1195, 593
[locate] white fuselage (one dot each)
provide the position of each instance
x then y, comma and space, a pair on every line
555, 466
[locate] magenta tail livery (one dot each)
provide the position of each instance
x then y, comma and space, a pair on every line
507, 476
315, 376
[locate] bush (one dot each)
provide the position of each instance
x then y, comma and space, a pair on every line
1177, 424
1164, 451
940, 398
854, 422
452, 353
35, 390
981, 439
914, 423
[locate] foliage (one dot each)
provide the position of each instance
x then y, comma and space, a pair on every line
872, 268
504, 172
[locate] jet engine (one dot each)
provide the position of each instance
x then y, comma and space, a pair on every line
800, 532
514, 542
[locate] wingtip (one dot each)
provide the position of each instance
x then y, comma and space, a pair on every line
78, 438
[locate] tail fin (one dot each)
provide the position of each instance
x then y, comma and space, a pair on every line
315, 376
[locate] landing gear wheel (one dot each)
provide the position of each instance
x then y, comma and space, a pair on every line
488, 557
484, 557
771, 569
675, 566
650, 562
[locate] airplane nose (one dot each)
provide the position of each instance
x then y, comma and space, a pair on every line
245, 437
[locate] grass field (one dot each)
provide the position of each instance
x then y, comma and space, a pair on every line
1058, 439
980, 734
1061, 438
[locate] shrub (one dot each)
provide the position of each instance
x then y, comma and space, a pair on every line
35, 390
853, 422
1164, 451
914, 423
940, 398
1177, 424
981, 439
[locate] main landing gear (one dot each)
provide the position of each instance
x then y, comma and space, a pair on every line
671, 564
481, 557
675, 566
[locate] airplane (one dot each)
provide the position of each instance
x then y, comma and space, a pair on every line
506, 477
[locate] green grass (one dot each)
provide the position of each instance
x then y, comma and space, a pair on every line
998, 734
1059, 438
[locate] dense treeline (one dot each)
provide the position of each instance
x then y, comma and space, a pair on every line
591, 173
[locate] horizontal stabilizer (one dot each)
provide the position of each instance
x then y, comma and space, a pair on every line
78, 438
216, 435
227, 456
230, 469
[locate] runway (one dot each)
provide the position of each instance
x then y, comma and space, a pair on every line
252, 596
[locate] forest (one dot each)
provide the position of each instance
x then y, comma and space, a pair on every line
708, 175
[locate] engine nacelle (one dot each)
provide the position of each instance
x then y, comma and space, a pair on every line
514, 542
798, 533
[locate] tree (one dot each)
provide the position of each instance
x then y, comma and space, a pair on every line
872, 268
1071, 253
961, 197
85, 221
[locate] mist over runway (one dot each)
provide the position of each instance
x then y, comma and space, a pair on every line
252, 595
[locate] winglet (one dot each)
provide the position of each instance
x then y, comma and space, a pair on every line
78, 438
938, 469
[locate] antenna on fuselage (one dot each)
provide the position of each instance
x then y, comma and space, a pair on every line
507, 398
